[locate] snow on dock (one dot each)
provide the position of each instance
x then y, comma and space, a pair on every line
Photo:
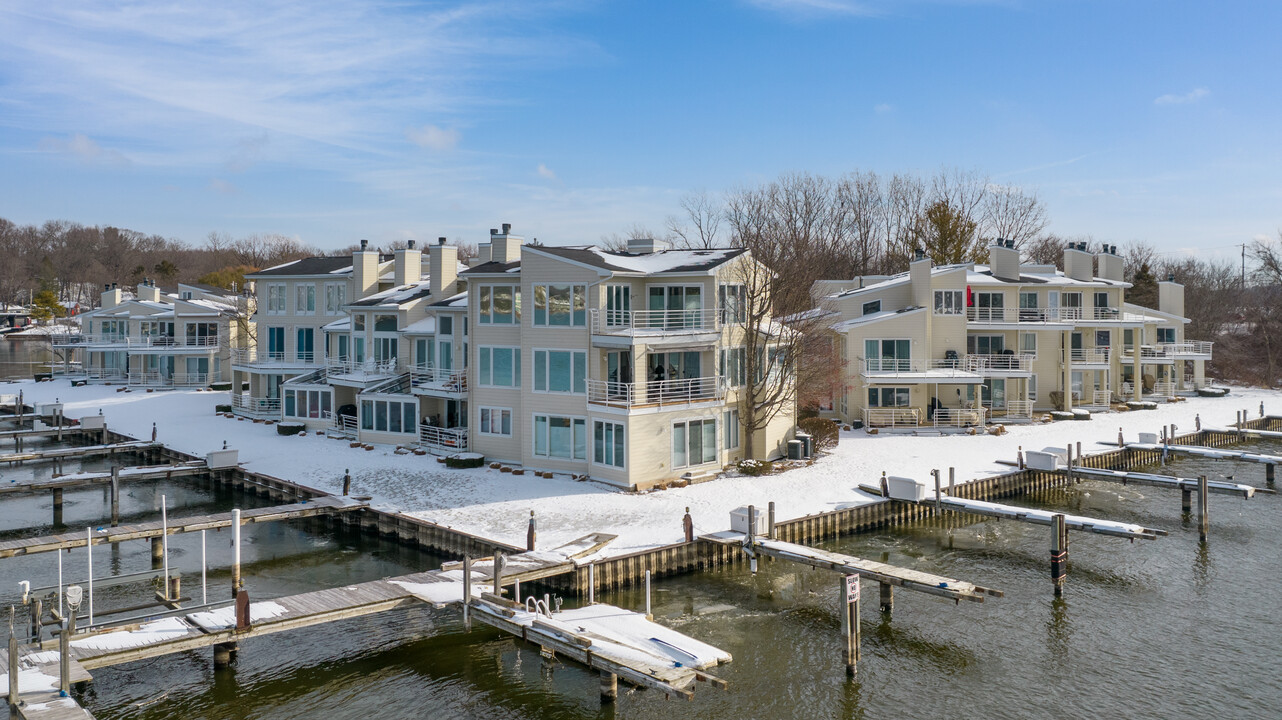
84, 479
84, 451
1165, 481
1047, 517
1206, 452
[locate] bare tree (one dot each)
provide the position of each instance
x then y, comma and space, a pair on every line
1011, 214
1046, 249
699, 228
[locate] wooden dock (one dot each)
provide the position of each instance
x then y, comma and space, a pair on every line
1207, 452
1262, 434
327, 505
1165, 481
80, 452
86, 479
61, 431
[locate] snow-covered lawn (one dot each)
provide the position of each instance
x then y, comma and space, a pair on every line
497, 505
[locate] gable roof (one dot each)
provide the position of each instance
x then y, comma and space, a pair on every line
397, 296
308, 266
655, 263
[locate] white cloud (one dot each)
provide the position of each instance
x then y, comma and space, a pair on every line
883, 108
433, 137
1194, 95
546, 172
83, 147
811, 7
222, 187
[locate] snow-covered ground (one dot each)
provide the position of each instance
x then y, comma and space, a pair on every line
497, 505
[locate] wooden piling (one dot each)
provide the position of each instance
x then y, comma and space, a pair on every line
1269, 471
1059, 554
115, 495
531, 534
1186, 501
235, 544
15, 696
157, 552
1203, 515
850, 623
770, 520
609, 687
467, 593
57, 507
887, 597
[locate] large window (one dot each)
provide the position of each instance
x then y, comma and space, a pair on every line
202, 334
694, 443
305, 299
730, 428
392, 416
275, 299
335, 298
562, 371
500, 367
305, 349
985, 344
425, 352
990, 306
560, 305
1028, 344
888, 397
888, 355
732, 301
308, 404
607, 443
500, 305
949, 302
276, 343
618, 305
496, 421
674, 306
734, 366
560, 437
1166, 335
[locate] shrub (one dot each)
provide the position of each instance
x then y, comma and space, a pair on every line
823, 430
756, 467
220, 386
289, 428
464, 462
222, 408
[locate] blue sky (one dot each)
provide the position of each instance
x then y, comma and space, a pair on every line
333, 120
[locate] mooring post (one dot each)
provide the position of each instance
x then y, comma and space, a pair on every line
164, 538
37, 612
57, 507
770, 520
1197, 422
1121, 442
89, 568
687, 526
115, 495
57, 418
530, 534
235, 551
14, 696
592, 583
648, 614
1269, 471
938, 506
1186, 500
1079, 453
1203, 512
1019, 456
1059, 553
467, 593
222, 654
850, 621
498, 573
887, 597
752, 533
347, 481
609, 687
952, 479
1070, 463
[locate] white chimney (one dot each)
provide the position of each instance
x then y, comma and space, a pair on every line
408, 265
443, 269
111, 296
645, 246
1003, 259
1170, 296
1110, 263
1078, 263
365, 270
148, 291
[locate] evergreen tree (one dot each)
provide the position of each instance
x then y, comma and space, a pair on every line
1143, 290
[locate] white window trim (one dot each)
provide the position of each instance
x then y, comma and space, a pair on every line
534, 364
516, 305
725, 427
518, 365
284, 297
1019, 339
302, 286
627, 451
587, 432
534, 308
511, 420
716, 421
338, 286
959, 307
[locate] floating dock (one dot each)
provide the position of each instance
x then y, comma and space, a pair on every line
81, 452
86, 479
1206, 452
1164, 481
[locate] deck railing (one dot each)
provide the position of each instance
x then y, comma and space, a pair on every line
892, 417
343, 425
1093, 356
257, 407
1019, 410
253, 356
158, 379
429, 377
443, 438
658, 392
997, 362
343, 366
653, 321
959, 417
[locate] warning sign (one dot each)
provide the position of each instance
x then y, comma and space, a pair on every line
852, 588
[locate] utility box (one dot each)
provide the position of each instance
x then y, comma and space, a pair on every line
907, 489
48, 410
1034, 460
93, 422
807, 444
1059, 452
221, 459
795, 449
1149, 438
739, 521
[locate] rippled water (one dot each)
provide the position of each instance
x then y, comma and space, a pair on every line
1167, 628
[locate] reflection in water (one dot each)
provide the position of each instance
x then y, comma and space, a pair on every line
1058, 631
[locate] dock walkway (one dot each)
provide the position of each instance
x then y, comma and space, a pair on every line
86, 479
81, 452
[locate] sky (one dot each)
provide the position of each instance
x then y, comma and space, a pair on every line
335, 120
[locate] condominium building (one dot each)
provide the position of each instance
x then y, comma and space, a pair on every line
960, 345
182, 337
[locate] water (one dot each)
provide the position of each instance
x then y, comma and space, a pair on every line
20, 358
1167, 628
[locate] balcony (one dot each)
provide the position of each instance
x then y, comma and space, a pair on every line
342, 370
1060, 315
252, 357
653, 323
1015, 410
659, 393
430, 380
1194, 350
158, 379
151, 342
439, 439
259, 408
1089, 356
998, 365
910, 417
909, 370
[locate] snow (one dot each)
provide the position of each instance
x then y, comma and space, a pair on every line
223, 618
497, 506
147, 634
29, 680
426, 326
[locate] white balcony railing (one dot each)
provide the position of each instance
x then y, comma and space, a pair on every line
610, 322
958, 417
343, 425
158, 379
940, 367
150, 341
997, 363
443, 438
1051, 315
1194, 347
1164, 389
1019, 410
1089, 356
255, 407
658, 392
342, 366
891, 417
253, 356
441, 379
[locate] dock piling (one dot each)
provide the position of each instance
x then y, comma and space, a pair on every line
347, 481
687, 525
935, 474
1269, 472
467, 593
1186, 501
592, 583
531, 534
1059, 554
648, 614
57, 507
235, 547
849, 587
609, 687
14, 697
952, 479
1203, 515
770, 521
498, 573
887, 597
157, 553
1070, 463
115, 495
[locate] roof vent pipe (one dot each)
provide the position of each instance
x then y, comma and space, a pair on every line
440, 241
364, 245
410, 245
1170, 278
919, 254
494, 231
507, 228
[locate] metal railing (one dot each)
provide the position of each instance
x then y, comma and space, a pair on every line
443, 438
1054, 315
1018, 410
653, 321
147, 341
428, 377
891, 366
958, 417
158, 379
1093, 356
341, 366
1164, 389
252, 356
103, 374
1000, 362
343, 425
892, 417
258, 407
1192, 347
658, 392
